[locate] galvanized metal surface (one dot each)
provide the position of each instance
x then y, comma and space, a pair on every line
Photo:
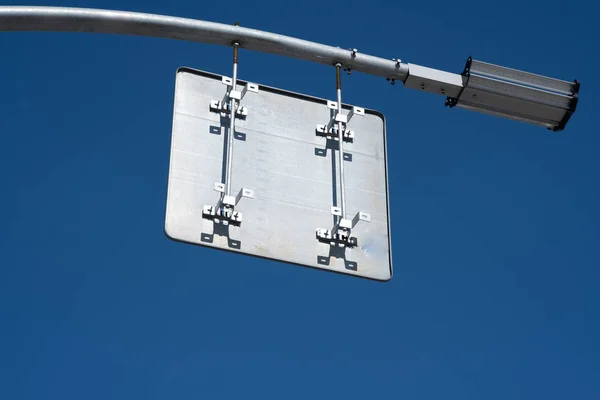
291, 170
69, 19
434, 81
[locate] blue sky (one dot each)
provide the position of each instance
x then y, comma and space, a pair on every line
495, 224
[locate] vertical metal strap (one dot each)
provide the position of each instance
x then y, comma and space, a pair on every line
232, 111
338, 67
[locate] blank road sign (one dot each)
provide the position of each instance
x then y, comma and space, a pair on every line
284, 176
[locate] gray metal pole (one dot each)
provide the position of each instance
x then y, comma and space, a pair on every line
67, 19
508, 99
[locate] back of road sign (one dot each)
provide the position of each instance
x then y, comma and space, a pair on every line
287, 172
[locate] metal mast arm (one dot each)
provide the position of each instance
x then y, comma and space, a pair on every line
68, 19
482, 87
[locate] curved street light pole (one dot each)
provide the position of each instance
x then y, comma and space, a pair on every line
482, 87
66, 19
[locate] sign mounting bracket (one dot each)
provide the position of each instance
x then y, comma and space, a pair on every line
341, 233
224, 211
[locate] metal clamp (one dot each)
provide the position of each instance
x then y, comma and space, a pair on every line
341, 234
224, 212
224, 105
330, 130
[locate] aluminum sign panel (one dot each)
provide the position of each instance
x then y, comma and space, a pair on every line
291, 170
